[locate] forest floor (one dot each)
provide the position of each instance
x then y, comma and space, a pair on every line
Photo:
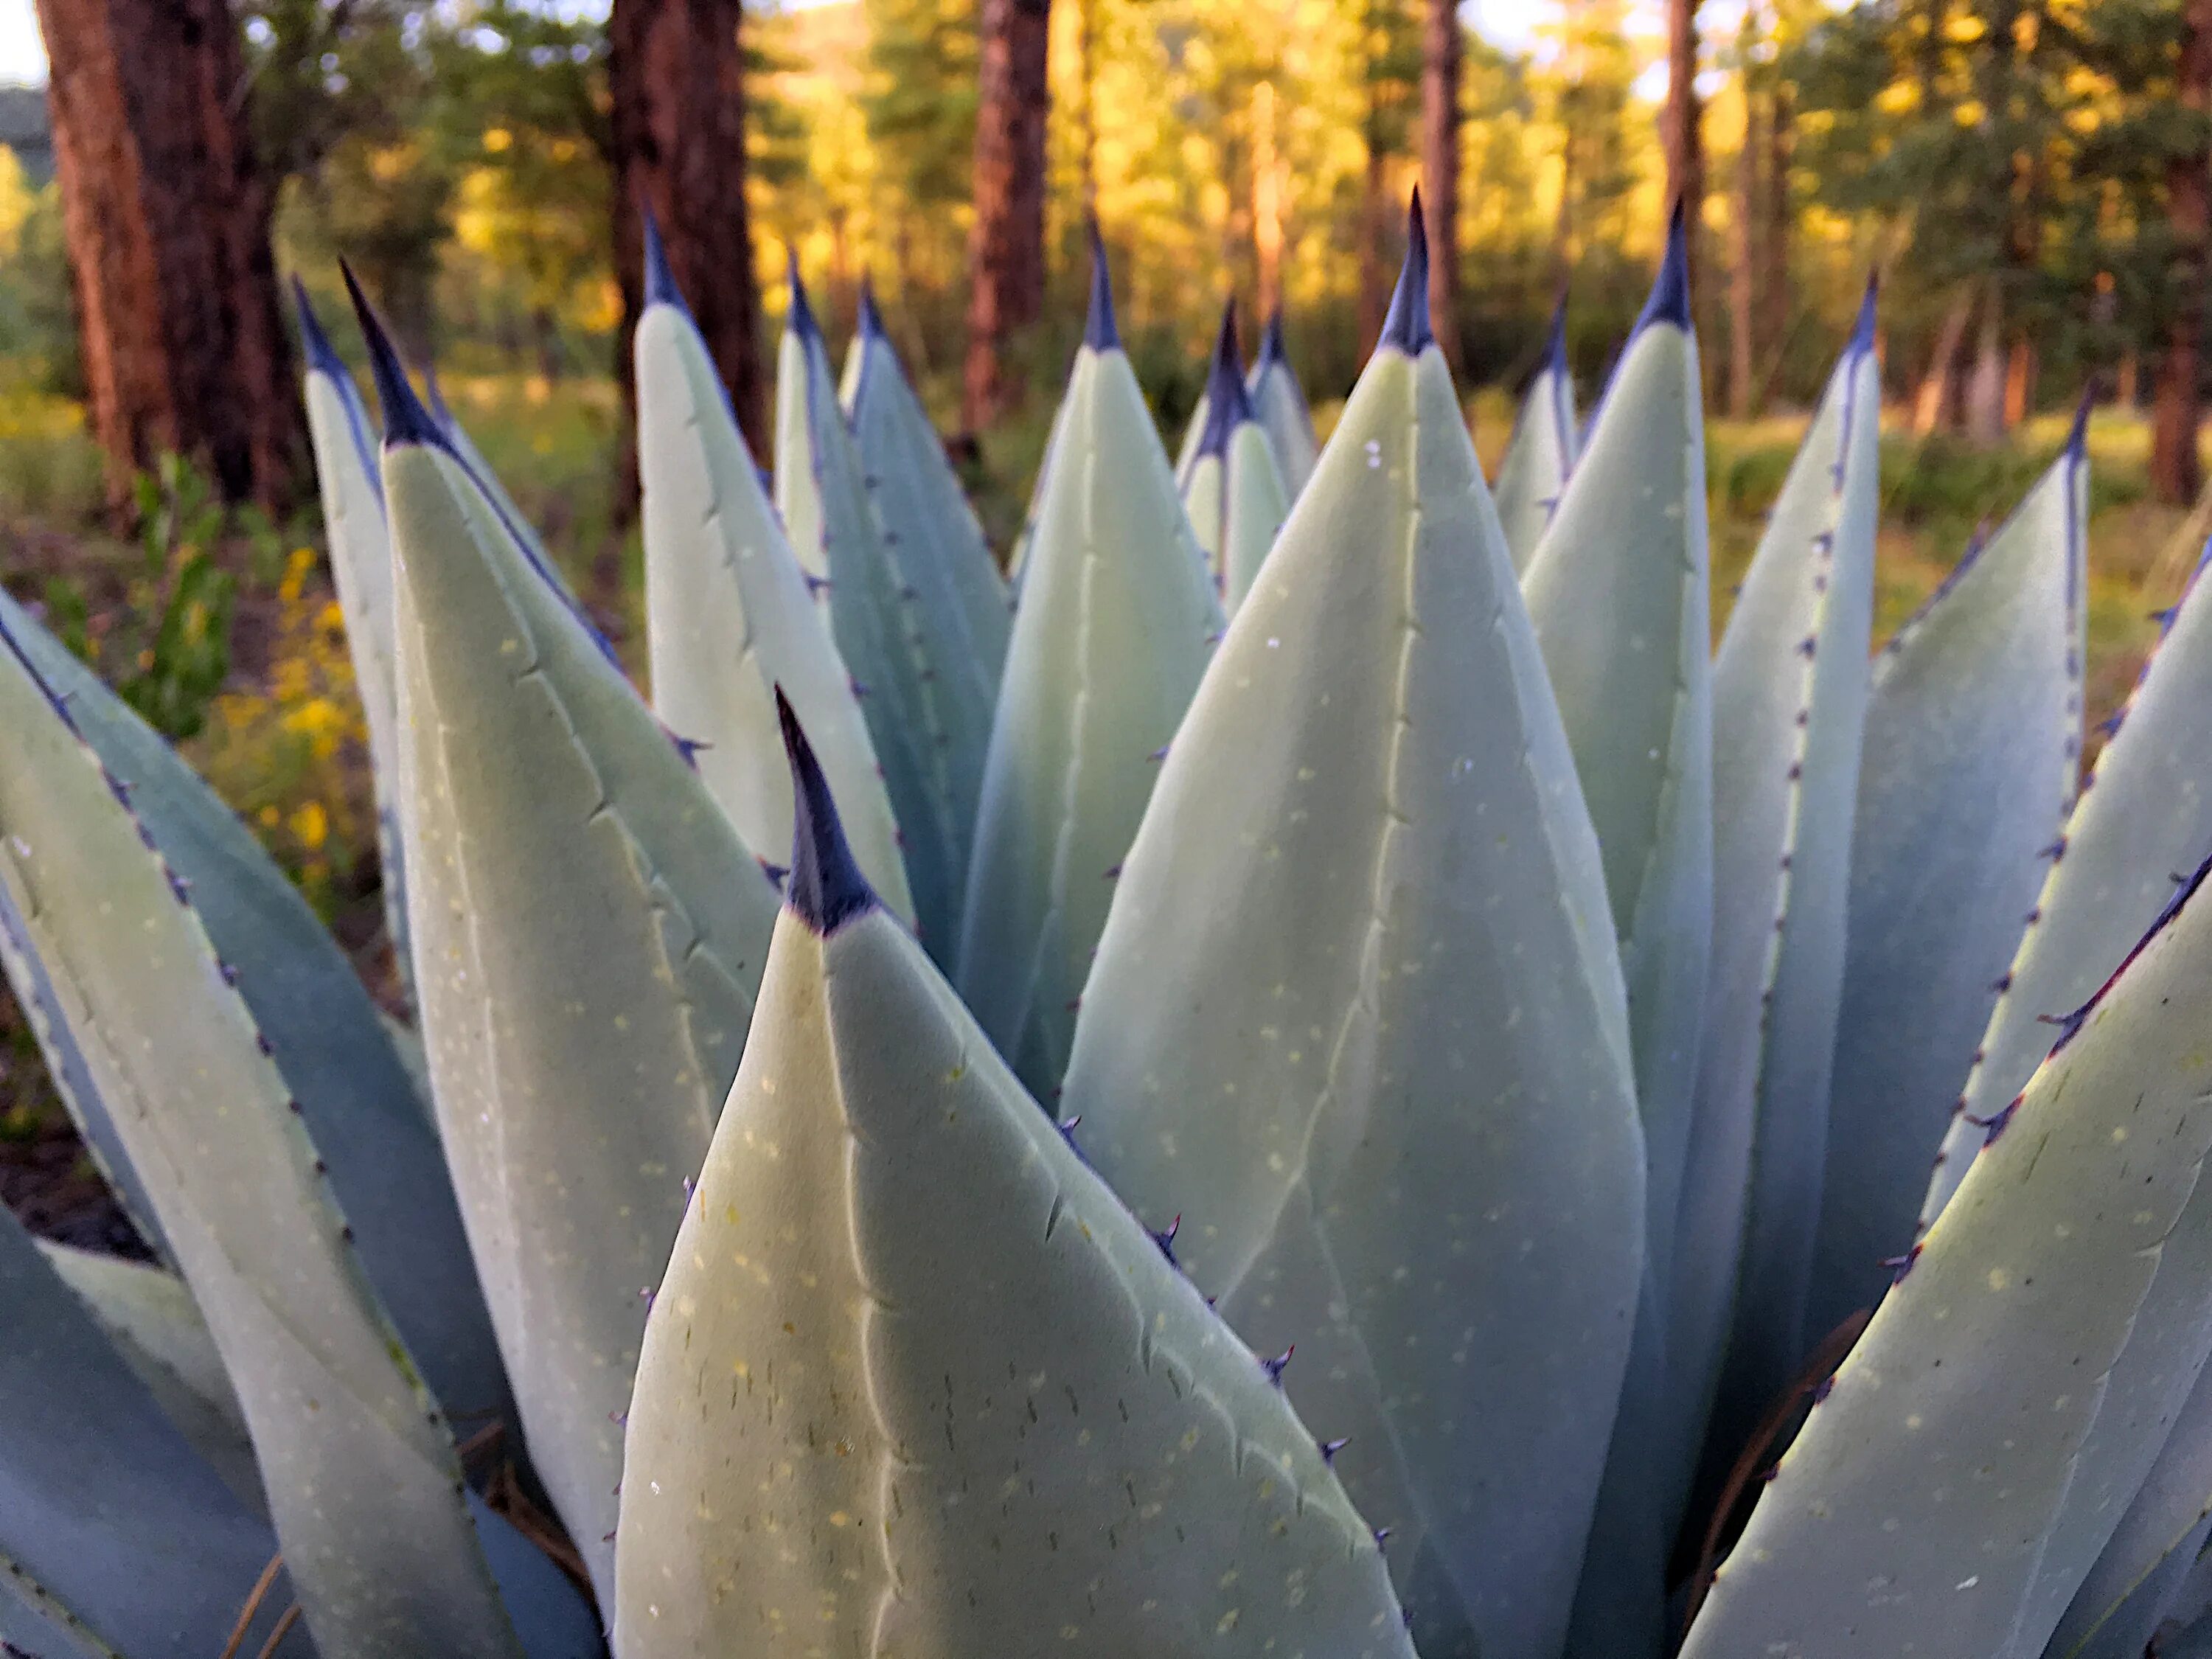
283, 739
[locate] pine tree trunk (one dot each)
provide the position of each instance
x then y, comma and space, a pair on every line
677, 145
1934, 405
1744, 222
1441, 49
1985, 388
167, 211
1005, 245
2176, 473
1680, 120
1374, 263
1773, 242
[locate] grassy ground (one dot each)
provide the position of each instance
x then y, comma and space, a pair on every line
283, 740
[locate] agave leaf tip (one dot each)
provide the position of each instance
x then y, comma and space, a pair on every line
661, 288
826, 887
1861, 341
1670, 290
1406, 325
405, 420
801, 318
1227, 403
322, 356
1271, 349
1099, 331
1555, 347
2077, 436
871, 319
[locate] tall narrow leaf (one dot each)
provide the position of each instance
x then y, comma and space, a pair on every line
1534, 474
936, 546
1972, 738
356, 1457
1280, 402
360, 566
1617, 591
917, 1384
1232, 489
387, 1171
728, 617
590, 930
889, 641
111, 1528
1910, 1515
1790, 699
1115, 623
1434, 1192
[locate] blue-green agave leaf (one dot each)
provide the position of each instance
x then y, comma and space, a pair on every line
1910, 1514
1534, 474
1437, 1198
1973, 738
354, 1455
2126, 1595
931, 540
1232, 489
2147, 806
328, 1040
907, 1329
728, 611
1617, 591
1789, 700
589, 930
345, 443
1117, 619
149, 1316
1280, 403
115, 1536
71, 1078
888, 640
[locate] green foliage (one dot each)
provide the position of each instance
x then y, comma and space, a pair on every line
170, 653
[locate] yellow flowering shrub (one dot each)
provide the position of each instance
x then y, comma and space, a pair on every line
292, 757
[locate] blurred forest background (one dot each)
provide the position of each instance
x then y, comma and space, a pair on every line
2030, 179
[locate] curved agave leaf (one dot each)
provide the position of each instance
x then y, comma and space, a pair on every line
932, 540
465, 450
71, 1078
387, 1171
1617, 592
1280, 403
150, 1318
1973, 736
2143, 813
1534, 474
1370, 808
114, 1534
727, 613
1233, 492
2146, 815
905, 1326
590, 929
344, 444
1018, 558
886, 637
2125, 1597
1909, 1516
354, 1455
1116, 623
1790, 699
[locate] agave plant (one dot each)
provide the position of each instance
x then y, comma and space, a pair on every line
966, 1131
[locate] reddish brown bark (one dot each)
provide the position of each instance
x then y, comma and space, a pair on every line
676, 142
2176, 472
1680, 121
1443, 48
167, 212
1005, 244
